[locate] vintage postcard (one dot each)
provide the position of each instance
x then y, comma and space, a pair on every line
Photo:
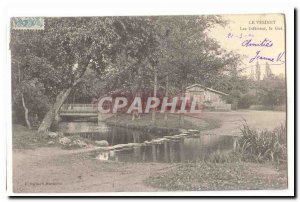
129, 104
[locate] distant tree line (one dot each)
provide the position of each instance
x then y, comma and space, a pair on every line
268, 92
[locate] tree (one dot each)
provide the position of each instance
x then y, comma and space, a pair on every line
136, 78
60, 55
258, 72
27, 95
234, 84
272, 92
252, 74
192, 54
268, 71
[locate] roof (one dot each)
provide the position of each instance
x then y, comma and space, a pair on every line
208, 89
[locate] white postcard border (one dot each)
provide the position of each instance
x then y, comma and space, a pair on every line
79, 11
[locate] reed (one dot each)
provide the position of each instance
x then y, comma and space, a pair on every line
224, 157
262, 146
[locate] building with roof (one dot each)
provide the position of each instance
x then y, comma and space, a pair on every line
208, 98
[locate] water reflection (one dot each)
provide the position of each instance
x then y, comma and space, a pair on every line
170, 150
113, 135
82, 126
181, 150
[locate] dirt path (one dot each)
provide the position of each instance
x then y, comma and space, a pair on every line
52, 169
231, 122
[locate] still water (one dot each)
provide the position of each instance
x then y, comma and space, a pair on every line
183, 150
113, 135
187, 149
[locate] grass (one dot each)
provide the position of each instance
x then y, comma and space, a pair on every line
258, 161
212, 123
262, 146
23, 138
223, 157
202, 176
221, 171
145, 120
255, 146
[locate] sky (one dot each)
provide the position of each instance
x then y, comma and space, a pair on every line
257, 37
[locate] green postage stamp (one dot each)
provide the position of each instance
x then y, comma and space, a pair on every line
28, 23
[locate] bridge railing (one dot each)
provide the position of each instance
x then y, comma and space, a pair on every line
78, 108
65, 106
82, 108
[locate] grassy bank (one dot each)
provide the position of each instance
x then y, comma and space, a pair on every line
172, 121
258, 161
256, 146
262, 146
23, 138
203, 176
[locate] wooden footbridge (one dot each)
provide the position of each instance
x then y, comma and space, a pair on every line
78, 110
82, 110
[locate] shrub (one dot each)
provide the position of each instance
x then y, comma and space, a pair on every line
246, 101
224, 157
261, 146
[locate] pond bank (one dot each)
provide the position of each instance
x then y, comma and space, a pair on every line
231, 122
162, 125
144, 128
52, 170
145, 120
220, 176
41, 168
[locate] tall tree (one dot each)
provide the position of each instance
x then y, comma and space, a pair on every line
60, 55
272, 92
193, 55
268, 71
258, 71
252, 74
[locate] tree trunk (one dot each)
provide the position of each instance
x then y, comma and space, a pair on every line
166, 94
26, 112
181, 115
52, 114
154, 95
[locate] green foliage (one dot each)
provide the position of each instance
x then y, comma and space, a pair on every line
268, 71
34, 99
272, 91
223, 157
23, 138
192, 56
59, 56
269, 92
246, 100
234, 84
262, 146
146, 120
61, 53
202, 176
258, 71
